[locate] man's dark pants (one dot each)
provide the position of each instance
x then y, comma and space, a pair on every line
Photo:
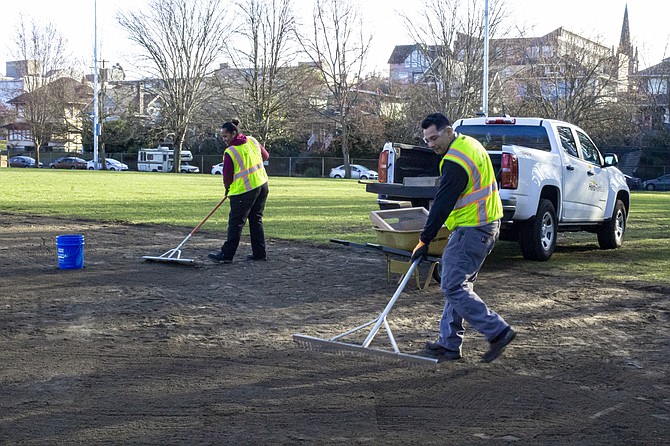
249, 205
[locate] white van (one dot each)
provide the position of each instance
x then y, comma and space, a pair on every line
160, 159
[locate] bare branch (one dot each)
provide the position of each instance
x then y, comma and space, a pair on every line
182, 40
338, 47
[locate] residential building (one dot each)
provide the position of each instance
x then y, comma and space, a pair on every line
653, 87
410, 64
542, 59
53, 111
19, 68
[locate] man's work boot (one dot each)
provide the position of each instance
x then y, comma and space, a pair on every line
498, 345
442, 353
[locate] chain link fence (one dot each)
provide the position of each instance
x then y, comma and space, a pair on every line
312, 167
299, 166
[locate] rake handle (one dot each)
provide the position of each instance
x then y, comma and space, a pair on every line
382, 317
208, 215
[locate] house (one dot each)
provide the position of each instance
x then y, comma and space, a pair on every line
125, 99
543, 59
50, 114
409, 64
653, 86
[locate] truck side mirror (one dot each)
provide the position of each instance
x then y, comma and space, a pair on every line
611, 159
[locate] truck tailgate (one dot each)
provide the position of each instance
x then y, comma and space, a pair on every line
401, 191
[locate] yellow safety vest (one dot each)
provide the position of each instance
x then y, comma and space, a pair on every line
249, 172
479, 203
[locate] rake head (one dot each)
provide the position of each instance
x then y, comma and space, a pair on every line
171, 256
342, 348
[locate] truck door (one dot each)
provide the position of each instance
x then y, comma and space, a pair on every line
575, 179
598, 179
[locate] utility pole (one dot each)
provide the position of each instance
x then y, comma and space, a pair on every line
101, 145
485, 70
96, 117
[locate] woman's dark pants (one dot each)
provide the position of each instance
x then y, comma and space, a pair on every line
249, 205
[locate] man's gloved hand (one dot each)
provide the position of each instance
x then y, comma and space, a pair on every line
420, 251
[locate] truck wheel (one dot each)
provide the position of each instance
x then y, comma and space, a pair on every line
537, 238
610, 234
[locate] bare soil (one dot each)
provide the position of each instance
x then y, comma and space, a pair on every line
131, 352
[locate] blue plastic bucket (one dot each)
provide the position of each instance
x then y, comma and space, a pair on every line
70, 251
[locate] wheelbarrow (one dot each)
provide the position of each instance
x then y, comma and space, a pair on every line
395, 266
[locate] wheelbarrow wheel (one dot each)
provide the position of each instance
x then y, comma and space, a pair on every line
437, 273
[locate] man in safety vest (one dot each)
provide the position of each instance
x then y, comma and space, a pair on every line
467, 201
246, 184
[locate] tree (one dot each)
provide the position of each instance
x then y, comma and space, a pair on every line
450, 36
568, 77
261, 85
181, 39
42, 52
338, 48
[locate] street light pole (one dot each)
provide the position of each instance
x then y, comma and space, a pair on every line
96, 117
485, 68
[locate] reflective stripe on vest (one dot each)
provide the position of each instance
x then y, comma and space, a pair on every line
248, 167
485, 197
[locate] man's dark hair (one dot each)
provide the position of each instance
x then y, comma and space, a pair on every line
437, 119
229, 127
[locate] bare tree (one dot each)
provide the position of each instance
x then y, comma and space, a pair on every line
42, 53
262, 84
450, 36
338, 48
181, 39
571, 78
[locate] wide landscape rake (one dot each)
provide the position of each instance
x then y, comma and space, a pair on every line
174, 255
335, 345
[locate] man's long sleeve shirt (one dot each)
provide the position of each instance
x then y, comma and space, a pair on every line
453, 182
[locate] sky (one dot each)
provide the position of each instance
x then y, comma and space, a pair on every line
596, 19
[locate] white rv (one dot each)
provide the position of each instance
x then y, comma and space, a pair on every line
160, 159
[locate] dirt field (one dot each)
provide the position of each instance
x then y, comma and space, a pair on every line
130, 352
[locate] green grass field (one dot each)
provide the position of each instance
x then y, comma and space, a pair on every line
315, 210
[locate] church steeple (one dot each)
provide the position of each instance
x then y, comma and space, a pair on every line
624, 42
625, 45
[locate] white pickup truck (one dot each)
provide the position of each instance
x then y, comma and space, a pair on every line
551, 178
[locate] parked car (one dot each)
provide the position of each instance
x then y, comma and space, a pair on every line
111, 164
217, 169
187, 168
22, 161
357, 171
633, 182
68, 162
660, 183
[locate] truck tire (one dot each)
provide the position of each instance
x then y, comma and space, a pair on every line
537, 238
610, 234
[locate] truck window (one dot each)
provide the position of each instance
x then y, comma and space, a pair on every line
568, 141
589, 150
494, 136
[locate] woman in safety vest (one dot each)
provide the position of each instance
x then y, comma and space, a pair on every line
467, 201
246, 184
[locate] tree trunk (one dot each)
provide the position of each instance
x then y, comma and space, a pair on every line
102, 157
345, 152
